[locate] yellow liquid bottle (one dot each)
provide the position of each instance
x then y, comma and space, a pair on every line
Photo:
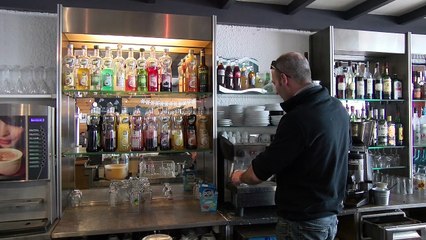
123, 133
83, 71
177, 132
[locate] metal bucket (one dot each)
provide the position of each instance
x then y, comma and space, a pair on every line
362, 132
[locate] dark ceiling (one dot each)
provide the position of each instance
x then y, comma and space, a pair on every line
294, 15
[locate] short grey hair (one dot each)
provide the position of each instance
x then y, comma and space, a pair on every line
296, 66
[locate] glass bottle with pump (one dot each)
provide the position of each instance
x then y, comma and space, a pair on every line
123, 131
165, 130
119, 70
191, 76
136, 130
95, 69
166, 72
108, 129
141, 72
152, 69
93, 130
83, 72
202, 129
107, 74
68, 69
130, 72
177, 131
203, 73
150, 131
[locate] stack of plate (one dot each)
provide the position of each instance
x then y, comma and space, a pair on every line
254, 108
224, 122
236, 114
273, 107
220, 114
275, 120
256, 118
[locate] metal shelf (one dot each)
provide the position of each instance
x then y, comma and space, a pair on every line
137, 94
82, 152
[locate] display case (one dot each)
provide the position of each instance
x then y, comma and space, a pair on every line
331, 46
107, 28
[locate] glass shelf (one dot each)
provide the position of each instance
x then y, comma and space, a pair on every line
119, 94
385, 168
419, 100
373, 100
385, 147
79, 151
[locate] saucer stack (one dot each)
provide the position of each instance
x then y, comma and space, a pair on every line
224, 122
236, 114
256, 116
275, 119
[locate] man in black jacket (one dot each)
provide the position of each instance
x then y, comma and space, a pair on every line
308, 155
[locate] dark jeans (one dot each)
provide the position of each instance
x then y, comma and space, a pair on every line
321, 228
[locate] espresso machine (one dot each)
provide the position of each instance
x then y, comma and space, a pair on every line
360, 176
238, 156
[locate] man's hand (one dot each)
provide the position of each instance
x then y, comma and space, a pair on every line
236, 177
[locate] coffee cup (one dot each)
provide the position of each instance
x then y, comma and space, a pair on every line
10, 161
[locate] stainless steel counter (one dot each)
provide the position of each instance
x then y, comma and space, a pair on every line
163, 214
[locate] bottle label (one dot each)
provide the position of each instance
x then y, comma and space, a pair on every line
387, 85
370, 86
193, 82
221, 72
120, 80
153, 80
397, 92
96, 80
124, 138
166, 81
382, 131
68, 78
378, 87
83, 62
360, 88
142, 80
70, 62
391, 135
165, 139
192, 138
84, 79
178, 138
108, 63
107, 80
341, 86
132, 81
136, 139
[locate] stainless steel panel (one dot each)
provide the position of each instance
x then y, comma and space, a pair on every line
138, 24
418, 44
367, 41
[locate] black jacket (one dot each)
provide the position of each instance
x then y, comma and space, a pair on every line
309, 156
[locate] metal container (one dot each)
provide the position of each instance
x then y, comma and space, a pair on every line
362, 132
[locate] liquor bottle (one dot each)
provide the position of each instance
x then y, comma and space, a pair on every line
229, 78
95, 69
387, 83
191, 131
203, 73
68, 69
244, 77
423, 126
221, 75
378, 83
108, 129
107, 74
399, 131
416, 127
130, 72
252, 78
202, 129
237, 77
150, 131
417, 89
119, 70
397, 87
360, 83
375, 128
166, 72
165, 130
83, 72
181, 76
369, 82
350, 82
141, 72
93, 131
391, 132
341, 82
177, 131
382, 129
191, 76
123, 131
136, 130
152, 69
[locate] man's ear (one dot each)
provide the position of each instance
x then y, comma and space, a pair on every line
283, 79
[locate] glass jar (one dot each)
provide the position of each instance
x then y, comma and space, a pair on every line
420, 178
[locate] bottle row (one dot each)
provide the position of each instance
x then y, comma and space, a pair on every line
419, 125
354, 81
129, 74
386, 132
236, 78
146, 129
419, 87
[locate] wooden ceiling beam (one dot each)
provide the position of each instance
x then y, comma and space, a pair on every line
411, 16
297, 5
225, 4
364, 8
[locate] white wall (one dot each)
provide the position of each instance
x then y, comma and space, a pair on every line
28, 39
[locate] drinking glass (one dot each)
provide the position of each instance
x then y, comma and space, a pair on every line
75, 198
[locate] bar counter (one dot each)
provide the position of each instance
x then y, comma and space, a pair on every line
161, 215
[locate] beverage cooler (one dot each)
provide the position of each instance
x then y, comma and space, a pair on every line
28, 169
